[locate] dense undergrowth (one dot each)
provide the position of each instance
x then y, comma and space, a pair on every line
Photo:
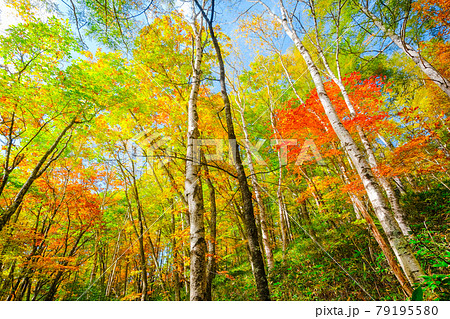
341, 261
345, 263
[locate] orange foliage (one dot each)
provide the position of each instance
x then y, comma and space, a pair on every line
308, 120
437, 11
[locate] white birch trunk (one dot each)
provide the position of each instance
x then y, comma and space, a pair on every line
193, 187
393, 199
401, 248
424, 65
398, 211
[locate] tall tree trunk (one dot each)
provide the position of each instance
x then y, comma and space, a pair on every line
401, 248
281, 208
385, 248
393, 199
125, 285
249, 218
259, 200
114, 259
142, 255
176, 274
131, 179
193, 187
399, 213
307, 217
211, 261
244, 239
406, 286
94, 263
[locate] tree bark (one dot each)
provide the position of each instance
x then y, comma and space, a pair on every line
261, 207
281, 207
434, 75
176, 274
401, 248
193, 187
249, 217
211, 261
385, 248
393, 199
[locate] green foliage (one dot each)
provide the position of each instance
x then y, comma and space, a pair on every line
431, 207
99, 214
310, 274
429, 211
417, 294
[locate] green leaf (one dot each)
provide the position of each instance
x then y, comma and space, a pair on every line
440, 263
417, 295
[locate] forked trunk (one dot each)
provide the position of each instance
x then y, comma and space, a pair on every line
257, 261
400, 246
424, 65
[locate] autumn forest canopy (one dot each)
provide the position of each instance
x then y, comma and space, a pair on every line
225, 150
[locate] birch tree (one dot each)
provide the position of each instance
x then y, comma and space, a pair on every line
386, 22
393, 199
248, 212
193, 186
401, 248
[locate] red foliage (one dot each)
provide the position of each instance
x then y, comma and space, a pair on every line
309, 121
